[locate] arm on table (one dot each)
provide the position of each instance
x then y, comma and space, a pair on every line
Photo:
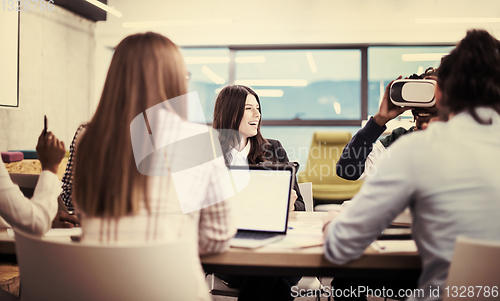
379, 201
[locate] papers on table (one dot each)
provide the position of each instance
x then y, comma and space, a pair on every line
297, 242
403, 219
300, 234
76, 231
394, 246
304, 234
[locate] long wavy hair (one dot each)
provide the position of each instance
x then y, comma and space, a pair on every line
228, 112
146, 69
469, 77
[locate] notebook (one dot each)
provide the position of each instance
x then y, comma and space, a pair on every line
261, 203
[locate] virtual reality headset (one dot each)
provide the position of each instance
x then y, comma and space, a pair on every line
418, 93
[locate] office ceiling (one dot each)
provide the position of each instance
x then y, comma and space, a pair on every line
84, 9
242, 22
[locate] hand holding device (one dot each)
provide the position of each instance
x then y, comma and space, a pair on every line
387, 109
293, 198
50, 150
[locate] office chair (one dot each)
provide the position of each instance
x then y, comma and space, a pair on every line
54, 270
474, 263
219, 288
325, 151
307, 195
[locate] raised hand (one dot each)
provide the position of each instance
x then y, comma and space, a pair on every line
50, 151
387, 109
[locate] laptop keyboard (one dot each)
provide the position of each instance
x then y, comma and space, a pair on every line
254, 235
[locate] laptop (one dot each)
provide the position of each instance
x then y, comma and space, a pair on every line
261, 203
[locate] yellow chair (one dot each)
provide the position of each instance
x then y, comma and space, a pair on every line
325, 151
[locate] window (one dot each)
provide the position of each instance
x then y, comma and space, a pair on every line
208, 72
307, 90
303, 84
297, 139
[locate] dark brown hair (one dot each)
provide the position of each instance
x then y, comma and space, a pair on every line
228, 112
146, 69
469, 77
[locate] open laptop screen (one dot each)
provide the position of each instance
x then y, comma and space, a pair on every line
262, 198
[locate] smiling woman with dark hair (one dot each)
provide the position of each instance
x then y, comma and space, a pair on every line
237, 116
238, 108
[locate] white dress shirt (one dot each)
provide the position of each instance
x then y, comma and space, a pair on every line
35, 215
449, 177
239, 158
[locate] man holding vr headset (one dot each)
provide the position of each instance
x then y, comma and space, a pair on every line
362, 153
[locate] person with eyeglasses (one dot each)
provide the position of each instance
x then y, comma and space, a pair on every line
362, 154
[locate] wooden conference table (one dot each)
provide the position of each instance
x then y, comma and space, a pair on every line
310, 261
286, 260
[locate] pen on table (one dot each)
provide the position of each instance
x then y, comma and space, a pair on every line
379, 245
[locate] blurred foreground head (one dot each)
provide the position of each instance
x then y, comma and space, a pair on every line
469, 77
146, 69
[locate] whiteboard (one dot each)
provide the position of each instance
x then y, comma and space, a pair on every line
9, 36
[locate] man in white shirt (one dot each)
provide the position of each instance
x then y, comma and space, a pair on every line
447, 174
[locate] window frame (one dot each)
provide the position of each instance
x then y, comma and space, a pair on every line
364, 82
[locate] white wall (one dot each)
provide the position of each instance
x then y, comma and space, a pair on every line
56, 78
302, 21
103, 56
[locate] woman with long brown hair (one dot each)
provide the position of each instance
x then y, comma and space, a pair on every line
120, 204
237, 108
237, 116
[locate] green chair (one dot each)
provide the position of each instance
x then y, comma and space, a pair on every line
325, 151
